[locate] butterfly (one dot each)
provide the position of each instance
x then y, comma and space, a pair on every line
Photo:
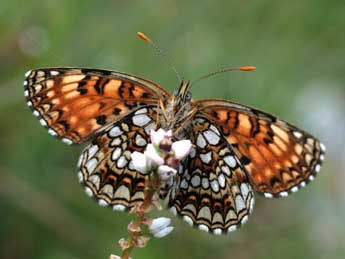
237, 149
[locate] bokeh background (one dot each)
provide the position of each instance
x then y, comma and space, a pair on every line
298, 47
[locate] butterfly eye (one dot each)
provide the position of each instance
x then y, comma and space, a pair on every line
188, 96
175, 93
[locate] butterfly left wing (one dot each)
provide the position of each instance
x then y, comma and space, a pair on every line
105, 166
211, 191
75, 103
277, 156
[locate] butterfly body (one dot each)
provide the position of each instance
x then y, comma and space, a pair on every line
237, 149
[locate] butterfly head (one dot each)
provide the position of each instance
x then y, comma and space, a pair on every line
182, 95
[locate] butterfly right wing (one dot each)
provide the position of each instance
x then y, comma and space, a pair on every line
278, 157
105, 166
75, 103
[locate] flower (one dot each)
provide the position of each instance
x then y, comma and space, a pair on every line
153, 156
159, 135
181, 148
139, 161
165, 172
164, 232
160, 227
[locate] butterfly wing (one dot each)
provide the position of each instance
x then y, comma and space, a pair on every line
277, 156
105, 166
74, 103
212, 191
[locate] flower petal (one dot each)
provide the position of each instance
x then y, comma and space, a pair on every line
140, 162
152, 156
181, 148
165, 172
157, 136
159, 224
163, 232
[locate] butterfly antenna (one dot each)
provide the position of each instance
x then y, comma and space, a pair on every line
160, 52
243, 68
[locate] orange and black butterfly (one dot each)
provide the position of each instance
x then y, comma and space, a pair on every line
237, 149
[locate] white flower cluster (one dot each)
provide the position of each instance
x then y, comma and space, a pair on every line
162, 155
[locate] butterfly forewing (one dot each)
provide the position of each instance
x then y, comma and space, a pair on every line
277, 156
212, 191
105, 166
76, 103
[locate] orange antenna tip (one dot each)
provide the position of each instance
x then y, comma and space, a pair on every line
247, 68
143, 36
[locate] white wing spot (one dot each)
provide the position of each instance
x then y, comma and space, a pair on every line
92, 151
232, 229
43, 122
201, 142
239, 203
116, 154
195, 180
205, 183
88, 191
80, 177
26, 92
188, 220
231, 161
54, 73
203, 227
114, 132
221, 180
217, 231
29, 103
119, 207
323, 147
141, 120
91, 165
122, 162
268, 195
294, 189
302, 184
103, 203
143, 110
206, 158
244, 220
283, 194
36, 113
215, 186
173, 210
297, 134
67, 141
317, 168
52, 132
211, 137
27, 73
311, 178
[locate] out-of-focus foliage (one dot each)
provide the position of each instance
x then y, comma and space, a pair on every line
298, 48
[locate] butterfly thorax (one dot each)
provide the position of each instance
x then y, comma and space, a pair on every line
177, 110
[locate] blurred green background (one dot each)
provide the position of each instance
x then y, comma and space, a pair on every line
298, 47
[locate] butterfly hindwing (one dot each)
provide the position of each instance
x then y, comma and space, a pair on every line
277, 156
212, 191
75, 103
105, 166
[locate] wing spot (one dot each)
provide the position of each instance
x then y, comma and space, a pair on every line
217, 231
268, 195
323, 147
232, 228
294, 189
115, 131
201, 142
188, 220
203, 227
231, 161
283, 194
141, 120
211, 137
67, 141
88, 191
119, 207
297, 134
206, 158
